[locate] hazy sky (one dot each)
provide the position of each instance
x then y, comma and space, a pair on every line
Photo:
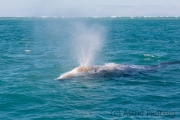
89, 8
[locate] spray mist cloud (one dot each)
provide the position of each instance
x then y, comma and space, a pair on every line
87, 41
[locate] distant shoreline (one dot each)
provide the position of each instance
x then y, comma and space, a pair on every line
95, 17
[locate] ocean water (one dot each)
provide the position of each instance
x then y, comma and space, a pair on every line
36, 51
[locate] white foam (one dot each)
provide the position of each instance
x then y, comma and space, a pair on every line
27, 50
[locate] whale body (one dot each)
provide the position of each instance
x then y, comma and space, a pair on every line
111, 69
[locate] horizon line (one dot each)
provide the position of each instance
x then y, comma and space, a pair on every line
90, 16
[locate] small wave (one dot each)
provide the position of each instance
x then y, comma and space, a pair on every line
27, 51
148, 55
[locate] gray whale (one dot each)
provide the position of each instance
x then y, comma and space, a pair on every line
111, 69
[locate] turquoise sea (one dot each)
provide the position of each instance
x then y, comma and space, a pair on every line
36, 51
